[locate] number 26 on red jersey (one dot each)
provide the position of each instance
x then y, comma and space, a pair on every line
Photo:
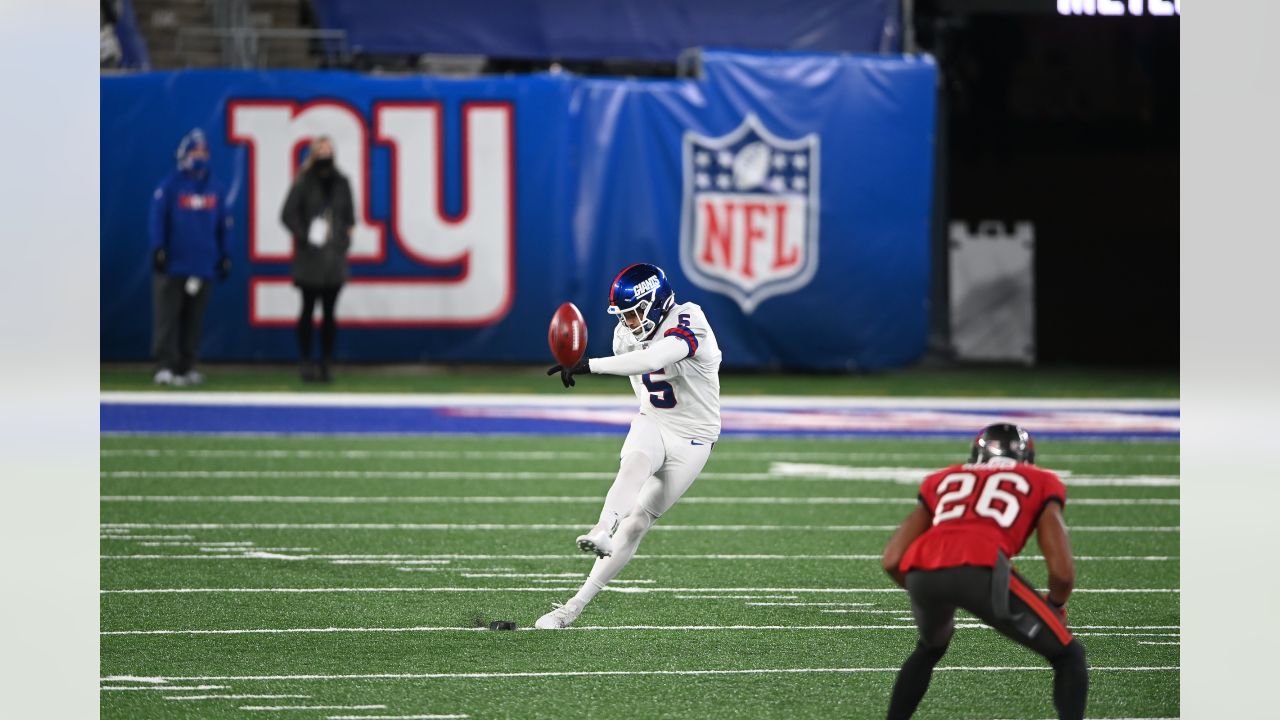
1000, 500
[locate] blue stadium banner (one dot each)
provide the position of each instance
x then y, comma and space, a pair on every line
655, 30
788, 194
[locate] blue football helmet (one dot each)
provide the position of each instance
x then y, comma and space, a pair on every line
640, 298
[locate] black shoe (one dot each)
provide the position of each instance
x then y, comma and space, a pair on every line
310, 373
325, 376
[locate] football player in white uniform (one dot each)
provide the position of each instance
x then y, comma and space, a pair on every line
673, 360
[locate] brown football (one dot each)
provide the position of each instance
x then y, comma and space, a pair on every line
567, 335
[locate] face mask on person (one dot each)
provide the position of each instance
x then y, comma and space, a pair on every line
324, 166
198, 166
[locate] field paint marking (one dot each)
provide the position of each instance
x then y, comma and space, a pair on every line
119, 535
236, 697
737, 597
396, 717
913, 476
166, 687
550, 455
777, 472
1161, 642
557, 500
845, 612
272, 708
393, 559
610, 588
561, 526
659, 628
619, 673
623, 401
814, 604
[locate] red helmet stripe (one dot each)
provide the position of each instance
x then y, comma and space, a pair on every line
615, 282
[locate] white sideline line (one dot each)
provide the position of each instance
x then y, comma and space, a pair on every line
736, 597
237, 697
555, 526
621, 673
913, 476
393, 559
397, 717
632, 590
166, 687
777, 472
627, 401
1153, 642
659, 628
273, 708
560, 455
816, 604
117, 535
557, 500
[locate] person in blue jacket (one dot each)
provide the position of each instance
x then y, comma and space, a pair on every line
189, 227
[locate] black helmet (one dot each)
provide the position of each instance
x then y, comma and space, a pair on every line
1003, 440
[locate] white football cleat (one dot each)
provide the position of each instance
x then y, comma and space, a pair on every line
596, 541
194, 377
560, 617
163, 376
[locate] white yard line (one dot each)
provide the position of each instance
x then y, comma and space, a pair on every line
394, 559
632, 673
165, 687
563, 526
594, 628
611, 588
276, 708
435, 400
815, 604
397, 717
238, 697
913, 476
555, 500
1161, 642
728, 452
778, 471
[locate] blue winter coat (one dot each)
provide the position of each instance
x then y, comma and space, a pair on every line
189, 219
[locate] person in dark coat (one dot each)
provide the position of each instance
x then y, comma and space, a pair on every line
319, 213
188, 226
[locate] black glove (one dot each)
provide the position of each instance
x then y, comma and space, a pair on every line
566, 374
159, 260
224, 267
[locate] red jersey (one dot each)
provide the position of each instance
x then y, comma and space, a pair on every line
979, 509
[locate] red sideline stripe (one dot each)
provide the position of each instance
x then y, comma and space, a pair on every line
686, 336
615, 281
1041, 608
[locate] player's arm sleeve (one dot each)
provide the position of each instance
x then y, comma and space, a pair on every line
657, 356
158, 221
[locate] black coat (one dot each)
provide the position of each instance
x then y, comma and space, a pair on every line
309, 198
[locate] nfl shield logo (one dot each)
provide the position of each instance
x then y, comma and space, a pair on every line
749, 223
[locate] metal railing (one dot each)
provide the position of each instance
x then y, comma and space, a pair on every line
243, 47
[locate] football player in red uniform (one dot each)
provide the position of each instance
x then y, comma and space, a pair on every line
953, 551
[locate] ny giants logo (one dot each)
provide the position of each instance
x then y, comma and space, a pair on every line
193, 201
749, 222
477, 244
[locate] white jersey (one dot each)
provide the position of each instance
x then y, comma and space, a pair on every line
684, 396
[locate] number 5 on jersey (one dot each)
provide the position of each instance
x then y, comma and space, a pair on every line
661, 394
995, 501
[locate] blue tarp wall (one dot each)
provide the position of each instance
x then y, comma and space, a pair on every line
655, 30
603, 173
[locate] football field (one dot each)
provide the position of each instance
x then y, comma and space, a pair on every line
354, 577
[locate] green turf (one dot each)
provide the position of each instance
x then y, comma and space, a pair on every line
952, 382
1116, 628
